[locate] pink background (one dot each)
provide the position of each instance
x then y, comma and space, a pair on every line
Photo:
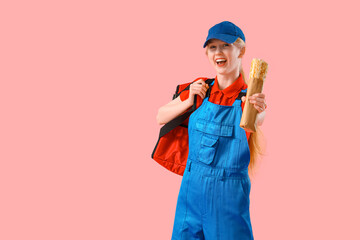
81, 84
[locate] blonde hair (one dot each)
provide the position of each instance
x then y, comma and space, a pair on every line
257, 143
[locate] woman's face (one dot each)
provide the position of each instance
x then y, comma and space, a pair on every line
223, 56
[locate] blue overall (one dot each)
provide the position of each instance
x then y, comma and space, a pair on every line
214, 197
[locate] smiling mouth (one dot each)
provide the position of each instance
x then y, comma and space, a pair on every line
220, 62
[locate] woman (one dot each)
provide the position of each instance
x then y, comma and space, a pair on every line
213, 201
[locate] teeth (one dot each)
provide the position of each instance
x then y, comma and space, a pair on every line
220, 60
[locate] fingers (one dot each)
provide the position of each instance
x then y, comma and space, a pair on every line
260, 109
258, 97
260, 106
200, 90
199, 87
258, 100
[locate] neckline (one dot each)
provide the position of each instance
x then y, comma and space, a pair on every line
232, 89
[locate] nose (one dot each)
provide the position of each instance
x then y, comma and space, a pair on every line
218, 49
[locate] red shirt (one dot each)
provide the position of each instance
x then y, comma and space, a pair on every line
225, 97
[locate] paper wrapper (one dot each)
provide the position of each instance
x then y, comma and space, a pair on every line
257, 76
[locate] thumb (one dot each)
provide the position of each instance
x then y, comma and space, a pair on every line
243, 98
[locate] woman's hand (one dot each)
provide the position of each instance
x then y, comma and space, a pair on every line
198, 87
258, 100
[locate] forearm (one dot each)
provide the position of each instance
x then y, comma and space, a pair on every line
171, 110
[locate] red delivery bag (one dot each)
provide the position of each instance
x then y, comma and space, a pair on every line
172, 148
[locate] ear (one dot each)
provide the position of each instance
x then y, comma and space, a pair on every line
242, 52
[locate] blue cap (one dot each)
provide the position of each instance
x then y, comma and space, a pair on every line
225, 31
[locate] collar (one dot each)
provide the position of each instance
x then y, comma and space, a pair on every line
231, 90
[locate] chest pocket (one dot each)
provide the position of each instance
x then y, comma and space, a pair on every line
211, 134
213, 128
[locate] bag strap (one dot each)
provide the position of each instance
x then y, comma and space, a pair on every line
177, 93
180, 119
209, 90
242, 93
